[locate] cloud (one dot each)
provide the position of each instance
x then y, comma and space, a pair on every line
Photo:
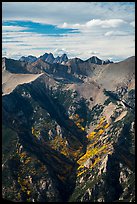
12, 28
132, 24
70, 12
59, 51
116, 33
91, 52
67, 25
110, 23
98, 24
79, 45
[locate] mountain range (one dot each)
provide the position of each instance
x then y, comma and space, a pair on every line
68, 129
48, 57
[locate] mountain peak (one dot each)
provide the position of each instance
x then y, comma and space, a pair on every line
29, 58
50, 54
96, 60
47, 57
64, 58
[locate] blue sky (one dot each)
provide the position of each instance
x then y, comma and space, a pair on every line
34, 27
84, 29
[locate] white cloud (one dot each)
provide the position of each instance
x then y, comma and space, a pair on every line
107, 23
132, 24
13, 28
92, 52
81, 45
116, 33
71, 12
59, 51
99, 24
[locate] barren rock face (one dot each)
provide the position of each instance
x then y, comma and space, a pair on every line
10, 81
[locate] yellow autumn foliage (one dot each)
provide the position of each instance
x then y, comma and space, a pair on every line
100, 132
35, 132
96, 147
23, 188
107, 125
28, 192
27, 160
88, 154
32, 130
91, 145
80, 167
81, 173
82, 128
91, 135
103, 118
18, 196
22, 155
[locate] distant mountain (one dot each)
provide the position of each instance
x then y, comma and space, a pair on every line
29, 59
48, 57
14, 66
61, 59
51, 59
107, 61
96, 60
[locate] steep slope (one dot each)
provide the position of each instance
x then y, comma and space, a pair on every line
10, 81
118, 74
30, 106
14, 66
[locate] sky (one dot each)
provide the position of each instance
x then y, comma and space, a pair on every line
79, 29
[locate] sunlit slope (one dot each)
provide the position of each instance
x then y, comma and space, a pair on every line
11, 81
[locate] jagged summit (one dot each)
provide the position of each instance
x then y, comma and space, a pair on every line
48, 57
63, 59
51, 59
